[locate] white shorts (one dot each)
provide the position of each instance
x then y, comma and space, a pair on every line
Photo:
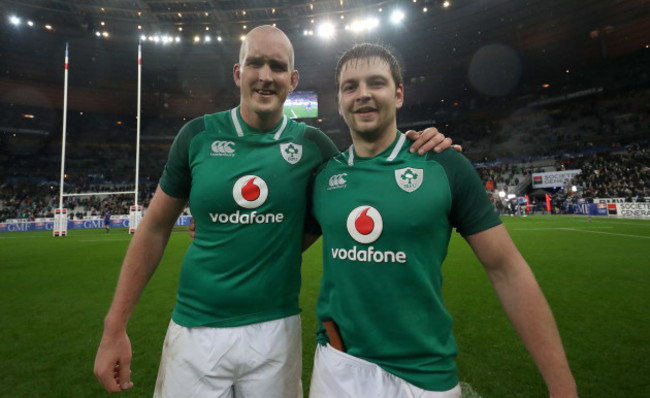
340, 375
262, 360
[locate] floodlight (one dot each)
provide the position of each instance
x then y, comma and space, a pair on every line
397, 16
363, 25
356, 26
30, 23
326, 30
14, 20
207, 39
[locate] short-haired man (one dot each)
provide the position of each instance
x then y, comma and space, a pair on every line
385, 332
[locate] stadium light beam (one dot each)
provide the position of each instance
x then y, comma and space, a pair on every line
397, 16
326, 30
367, 24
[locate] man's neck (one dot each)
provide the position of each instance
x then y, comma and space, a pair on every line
257, 121
368, 148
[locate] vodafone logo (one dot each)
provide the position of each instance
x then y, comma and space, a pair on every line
365, 224
250, 191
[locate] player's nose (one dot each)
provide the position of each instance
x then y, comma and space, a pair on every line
264, 73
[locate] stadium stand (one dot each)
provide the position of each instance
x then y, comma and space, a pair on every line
595, 120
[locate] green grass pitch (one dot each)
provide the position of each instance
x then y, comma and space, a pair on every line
596, 275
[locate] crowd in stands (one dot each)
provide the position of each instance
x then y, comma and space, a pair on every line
28, 202
624, 174
596, 122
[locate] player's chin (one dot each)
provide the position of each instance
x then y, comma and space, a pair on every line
268, 102
268, 109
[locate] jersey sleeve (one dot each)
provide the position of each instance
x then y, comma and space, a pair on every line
176, 179
312, 227
327, 148
471, 209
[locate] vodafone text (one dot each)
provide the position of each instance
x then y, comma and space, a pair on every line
247, 218
369, 255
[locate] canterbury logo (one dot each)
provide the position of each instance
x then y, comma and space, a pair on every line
223, 148
337, 181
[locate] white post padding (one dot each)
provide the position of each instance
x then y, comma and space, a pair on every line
135, 215
60, 223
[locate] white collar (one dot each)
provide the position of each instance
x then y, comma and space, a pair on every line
240, 131
390, 158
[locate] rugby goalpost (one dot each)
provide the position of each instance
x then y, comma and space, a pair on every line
60, 227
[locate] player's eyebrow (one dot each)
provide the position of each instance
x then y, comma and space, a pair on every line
365, 78
271, 61
377, 77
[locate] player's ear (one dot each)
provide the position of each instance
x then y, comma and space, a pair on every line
236, 74
399, 96
295, 76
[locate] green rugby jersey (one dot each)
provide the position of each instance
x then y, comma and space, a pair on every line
247, 192
386, 224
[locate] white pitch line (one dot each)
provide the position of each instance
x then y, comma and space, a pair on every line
549, 228
605, 233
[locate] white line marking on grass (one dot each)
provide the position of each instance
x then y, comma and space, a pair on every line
605, 233
24, 237
76, 239
101, 240
582, 230
550, 228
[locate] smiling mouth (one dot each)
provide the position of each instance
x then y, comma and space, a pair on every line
365, 111
264, 92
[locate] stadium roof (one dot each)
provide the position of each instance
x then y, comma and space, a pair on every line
439, 39
555, 25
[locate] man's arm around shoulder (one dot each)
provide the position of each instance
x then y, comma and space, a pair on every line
526, 307
113, 360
